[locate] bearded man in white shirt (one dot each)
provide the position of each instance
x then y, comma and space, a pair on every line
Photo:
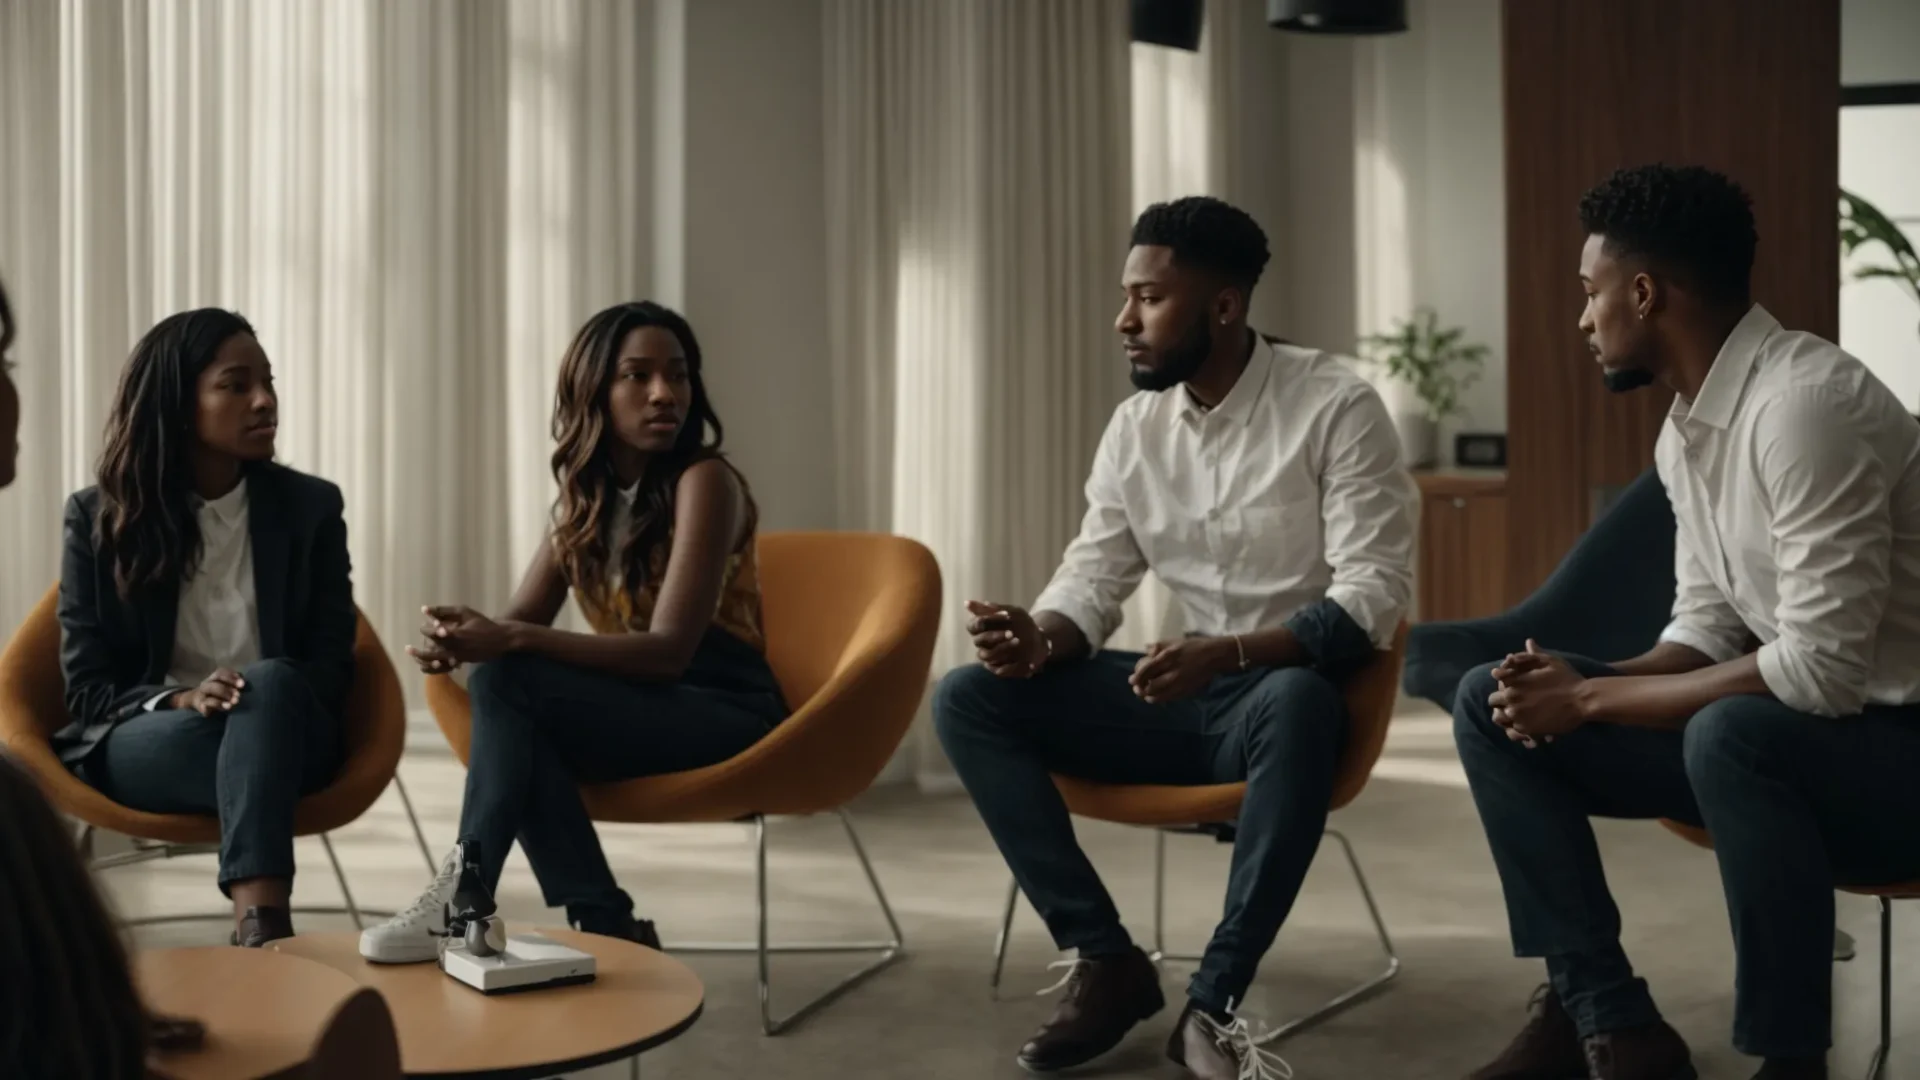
1795, 481
1263, 484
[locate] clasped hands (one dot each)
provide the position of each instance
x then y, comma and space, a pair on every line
1537, 698
1009, 643
457, 635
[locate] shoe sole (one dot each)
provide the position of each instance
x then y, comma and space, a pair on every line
378, 955
1042, 1068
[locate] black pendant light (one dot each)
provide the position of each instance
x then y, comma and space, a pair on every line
1338, 16
1173, 23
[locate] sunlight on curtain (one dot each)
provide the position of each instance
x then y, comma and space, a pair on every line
415, 204
973, 250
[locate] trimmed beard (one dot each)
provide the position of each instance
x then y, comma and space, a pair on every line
1626, 380
1178, 363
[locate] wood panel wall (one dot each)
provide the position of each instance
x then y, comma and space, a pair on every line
1748, 87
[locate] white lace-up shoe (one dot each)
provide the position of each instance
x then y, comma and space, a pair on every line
415, 935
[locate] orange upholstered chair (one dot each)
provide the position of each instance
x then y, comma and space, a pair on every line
1370, 695
1887, 894
33, 707
851, 620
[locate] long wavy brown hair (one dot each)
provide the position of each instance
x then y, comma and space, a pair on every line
583, 514
146, 526
77, 1012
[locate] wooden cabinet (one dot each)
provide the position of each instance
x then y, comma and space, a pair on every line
1462, 572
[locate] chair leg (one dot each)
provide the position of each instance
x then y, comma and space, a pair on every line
1160, 955
414, 820
1000, 941
148, 852
1879, 1063
1354, 995
891, 950
341, 874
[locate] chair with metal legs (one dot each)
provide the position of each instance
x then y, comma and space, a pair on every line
1210, 809
32, 707
850, 620
1886, 894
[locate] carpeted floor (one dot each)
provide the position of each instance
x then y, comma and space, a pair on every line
1459, 996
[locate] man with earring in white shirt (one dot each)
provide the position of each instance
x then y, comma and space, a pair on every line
1795, 481
1264, 485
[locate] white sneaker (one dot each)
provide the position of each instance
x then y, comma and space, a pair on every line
415, 935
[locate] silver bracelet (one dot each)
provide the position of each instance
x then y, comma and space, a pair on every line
1241, 648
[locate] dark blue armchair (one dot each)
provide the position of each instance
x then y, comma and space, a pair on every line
1608, 599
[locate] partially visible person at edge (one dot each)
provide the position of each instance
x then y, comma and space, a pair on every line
1263, 483
84, 1017
653, 532
1795, 481
206, 610
9, 397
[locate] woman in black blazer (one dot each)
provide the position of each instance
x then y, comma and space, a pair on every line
206, 610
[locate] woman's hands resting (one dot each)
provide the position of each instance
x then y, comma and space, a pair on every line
459, 635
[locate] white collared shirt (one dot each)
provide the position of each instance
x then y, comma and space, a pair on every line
1290, 491
218, 622
1795, 481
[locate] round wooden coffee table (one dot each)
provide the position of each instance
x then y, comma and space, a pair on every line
638, 1000
263, 1010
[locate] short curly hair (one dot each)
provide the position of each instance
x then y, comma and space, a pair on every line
1207, 234
1693, 221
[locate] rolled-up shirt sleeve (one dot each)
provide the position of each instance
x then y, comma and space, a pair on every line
1832, 539
1703, 619
1370, 513
1103, 564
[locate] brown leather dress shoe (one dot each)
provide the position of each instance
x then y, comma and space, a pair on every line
1548, 1048
1105, 996
1653, 1052
1211, 1050
261, 925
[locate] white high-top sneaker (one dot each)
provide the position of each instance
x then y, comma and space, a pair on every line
415, 935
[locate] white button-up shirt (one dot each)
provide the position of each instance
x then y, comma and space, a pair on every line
1292, 490
218, 624
1795, 481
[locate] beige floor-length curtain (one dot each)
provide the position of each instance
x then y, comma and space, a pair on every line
415, 203
977, 155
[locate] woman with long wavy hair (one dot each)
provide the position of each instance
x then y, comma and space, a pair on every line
653, 532
206, 610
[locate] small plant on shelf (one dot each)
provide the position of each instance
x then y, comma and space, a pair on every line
1436, 363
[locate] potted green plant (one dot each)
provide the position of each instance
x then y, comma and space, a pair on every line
1437, 365
1861, 224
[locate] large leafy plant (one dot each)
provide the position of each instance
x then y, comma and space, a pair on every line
1435, 362
1862, 225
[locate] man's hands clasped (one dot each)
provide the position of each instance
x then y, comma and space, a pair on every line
1538, 696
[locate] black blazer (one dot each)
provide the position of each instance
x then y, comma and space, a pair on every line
115, 654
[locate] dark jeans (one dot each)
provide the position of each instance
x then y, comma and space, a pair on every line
1796, 803
541, 728
250, 767
1279, 731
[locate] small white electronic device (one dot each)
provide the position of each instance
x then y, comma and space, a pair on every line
528, 962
